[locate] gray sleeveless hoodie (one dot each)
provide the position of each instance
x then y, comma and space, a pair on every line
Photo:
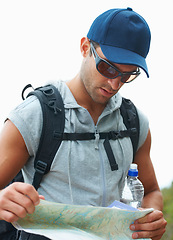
80, 172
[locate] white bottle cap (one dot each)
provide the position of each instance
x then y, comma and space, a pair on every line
134, 166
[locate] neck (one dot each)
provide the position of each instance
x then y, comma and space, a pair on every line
82, 97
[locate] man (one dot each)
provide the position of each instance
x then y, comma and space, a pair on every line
113, 53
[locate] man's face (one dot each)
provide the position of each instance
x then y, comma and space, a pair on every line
100, 88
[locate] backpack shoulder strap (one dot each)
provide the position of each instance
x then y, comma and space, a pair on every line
53, 127
131, 120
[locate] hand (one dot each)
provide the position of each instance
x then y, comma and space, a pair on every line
153, 226
17, 200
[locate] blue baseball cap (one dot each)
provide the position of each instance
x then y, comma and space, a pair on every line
123, 35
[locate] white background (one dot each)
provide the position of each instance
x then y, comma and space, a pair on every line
39, 41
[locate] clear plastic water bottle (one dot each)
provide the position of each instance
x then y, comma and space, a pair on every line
133, 191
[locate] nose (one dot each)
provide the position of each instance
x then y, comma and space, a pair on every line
115, 83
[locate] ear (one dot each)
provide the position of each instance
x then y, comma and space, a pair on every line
85, 46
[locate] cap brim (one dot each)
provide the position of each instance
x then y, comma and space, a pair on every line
123, 56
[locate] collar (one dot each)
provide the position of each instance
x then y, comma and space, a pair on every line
70, 102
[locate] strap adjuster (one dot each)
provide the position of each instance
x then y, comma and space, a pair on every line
115, 135
41, 167
133, 131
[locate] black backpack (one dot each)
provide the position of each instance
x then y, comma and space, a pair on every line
52, 108
53, 134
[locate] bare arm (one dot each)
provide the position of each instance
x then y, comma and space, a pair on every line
153, 196
19, 198
13, 153
153, 225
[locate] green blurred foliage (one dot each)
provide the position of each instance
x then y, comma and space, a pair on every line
168, 212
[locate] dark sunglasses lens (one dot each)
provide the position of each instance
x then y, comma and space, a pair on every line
106, 70
128, 78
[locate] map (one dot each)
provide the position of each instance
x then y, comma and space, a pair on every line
78, 222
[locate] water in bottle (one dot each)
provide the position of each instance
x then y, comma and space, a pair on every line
133, 191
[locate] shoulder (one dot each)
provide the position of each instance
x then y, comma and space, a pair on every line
28, 119
143, 127
143, 120
29, 103
29, 110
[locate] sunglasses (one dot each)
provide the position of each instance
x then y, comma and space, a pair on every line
110, 71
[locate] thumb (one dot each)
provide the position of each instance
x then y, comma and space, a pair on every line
42, 197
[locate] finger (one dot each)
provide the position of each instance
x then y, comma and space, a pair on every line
18, 199
9, 216
24, 202
42, 197
149, 234
29, 191
147, 230
11, 211
151, 226
151, 217
15, 196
